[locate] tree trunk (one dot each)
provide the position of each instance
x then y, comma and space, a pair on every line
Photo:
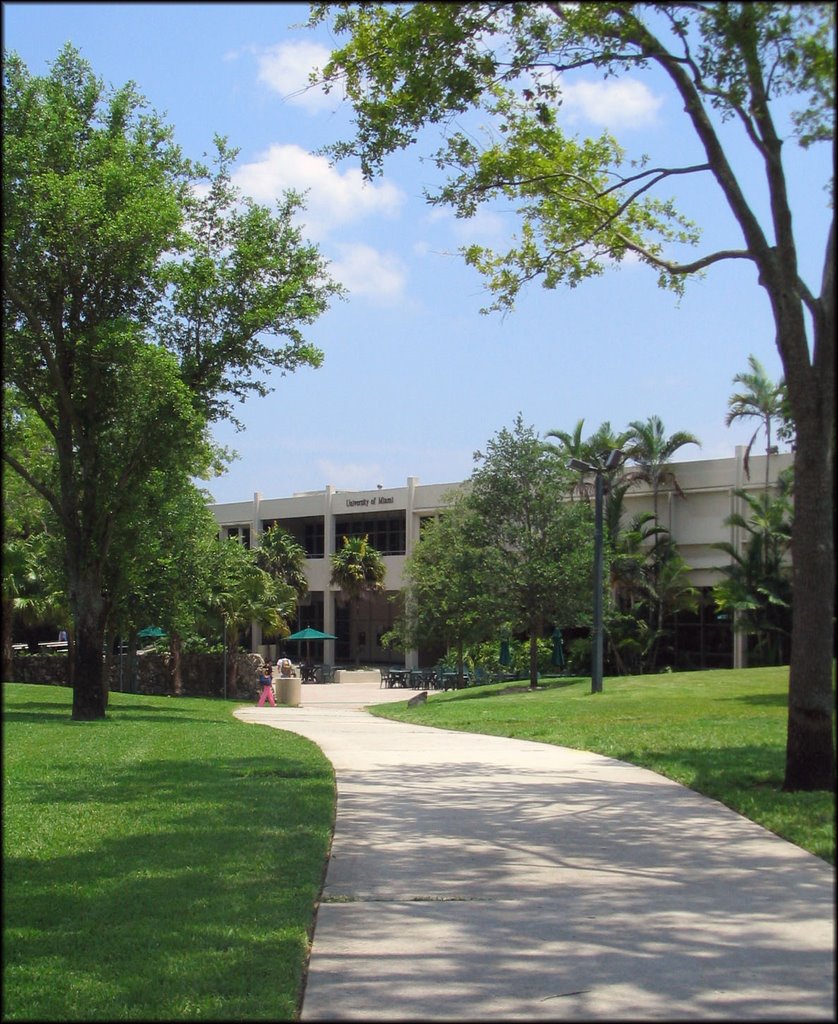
89, 680
175, 649
810, 753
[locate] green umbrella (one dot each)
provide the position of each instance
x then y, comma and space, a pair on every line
151, 631
311, 634
505, 658
308, 634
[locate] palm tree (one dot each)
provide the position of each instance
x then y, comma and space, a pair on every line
281, 556
762, 399
243, 593
593, 450
358, 570
571, 446
757, 581
651, 451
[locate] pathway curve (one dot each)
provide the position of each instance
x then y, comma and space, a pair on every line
478, 878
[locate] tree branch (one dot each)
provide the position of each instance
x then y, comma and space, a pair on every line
49, 496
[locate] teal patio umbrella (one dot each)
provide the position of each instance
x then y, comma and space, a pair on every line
308, 634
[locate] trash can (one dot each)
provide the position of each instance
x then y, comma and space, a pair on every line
288, 690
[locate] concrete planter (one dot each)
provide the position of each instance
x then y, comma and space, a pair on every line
288, 691
356, 675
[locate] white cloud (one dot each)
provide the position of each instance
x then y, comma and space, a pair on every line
334, 198
285, 68
616, 103
367, 272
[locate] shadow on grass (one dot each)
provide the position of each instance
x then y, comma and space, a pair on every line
125, 708
773, 700
515, 686
711, 769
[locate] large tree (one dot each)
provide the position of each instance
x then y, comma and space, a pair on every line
542, 541
135, 308
736, 70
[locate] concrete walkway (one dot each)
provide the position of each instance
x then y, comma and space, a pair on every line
480, 878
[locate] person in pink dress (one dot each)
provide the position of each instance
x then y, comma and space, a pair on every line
265, 688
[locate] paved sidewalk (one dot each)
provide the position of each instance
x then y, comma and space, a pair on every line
480, 878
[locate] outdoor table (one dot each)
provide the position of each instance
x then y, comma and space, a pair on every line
399, 677
418, 678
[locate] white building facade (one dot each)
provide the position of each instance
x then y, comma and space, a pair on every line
392, 519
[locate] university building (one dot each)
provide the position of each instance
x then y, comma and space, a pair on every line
392, 520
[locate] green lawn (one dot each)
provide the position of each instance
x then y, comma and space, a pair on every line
161, 864
722, 733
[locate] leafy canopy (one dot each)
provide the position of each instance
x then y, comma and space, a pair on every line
582, 203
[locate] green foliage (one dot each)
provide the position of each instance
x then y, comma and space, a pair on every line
542, 543
164, 562
136, 310
760, 399
721, 733
593, 450
757, 583
447, 596
357, 568
742, 75
281, 556
651, 450
582, 205
242, 273
153, 887
241, 593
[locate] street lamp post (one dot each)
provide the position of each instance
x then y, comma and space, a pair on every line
611, 462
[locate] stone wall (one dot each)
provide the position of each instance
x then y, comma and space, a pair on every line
202, 674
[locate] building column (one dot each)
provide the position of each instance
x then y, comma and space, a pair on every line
412, 531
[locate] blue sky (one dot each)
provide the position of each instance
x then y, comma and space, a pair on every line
415, 379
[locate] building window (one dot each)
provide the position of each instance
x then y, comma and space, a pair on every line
386, 534
308, 533
314, 539
241, 532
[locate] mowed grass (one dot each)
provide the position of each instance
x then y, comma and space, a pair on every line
161, 864
721, 733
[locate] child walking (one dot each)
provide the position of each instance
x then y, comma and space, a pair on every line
267, 691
